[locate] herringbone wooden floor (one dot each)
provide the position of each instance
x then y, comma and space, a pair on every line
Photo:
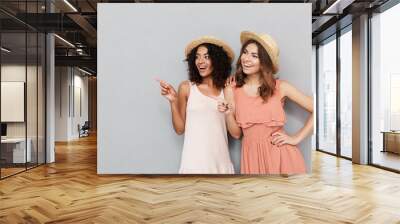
70, 191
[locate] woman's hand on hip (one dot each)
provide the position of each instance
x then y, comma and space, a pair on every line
279, 139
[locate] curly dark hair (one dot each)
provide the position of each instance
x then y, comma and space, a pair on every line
220, 61
268, 82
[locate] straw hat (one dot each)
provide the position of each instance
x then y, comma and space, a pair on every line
267, 42
210, 40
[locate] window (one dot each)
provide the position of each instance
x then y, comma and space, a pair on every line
346, 75
327, 96
385, 89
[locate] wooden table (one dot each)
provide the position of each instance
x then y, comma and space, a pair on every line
13, 150
391, 141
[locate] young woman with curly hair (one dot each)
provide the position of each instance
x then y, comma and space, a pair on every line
255, 108
194, 108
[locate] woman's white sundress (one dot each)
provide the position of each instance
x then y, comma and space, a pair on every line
205, 147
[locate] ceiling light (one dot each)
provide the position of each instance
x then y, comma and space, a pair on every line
338, 6
331, 7
84, 71
5, 49
70, 5
65, 41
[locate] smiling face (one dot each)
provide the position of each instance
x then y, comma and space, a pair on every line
209, 61
250, 60
203, 62
254, 61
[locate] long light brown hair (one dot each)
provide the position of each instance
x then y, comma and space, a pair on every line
267, 88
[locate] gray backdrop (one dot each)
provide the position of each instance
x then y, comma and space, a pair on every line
138, 42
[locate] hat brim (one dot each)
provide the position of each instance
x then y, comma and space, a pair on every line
210, 40
248, 35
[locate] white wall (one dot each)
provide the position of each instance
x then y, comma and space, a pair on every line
33, 127
79, 117
67, 116
61, 103
17, 72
